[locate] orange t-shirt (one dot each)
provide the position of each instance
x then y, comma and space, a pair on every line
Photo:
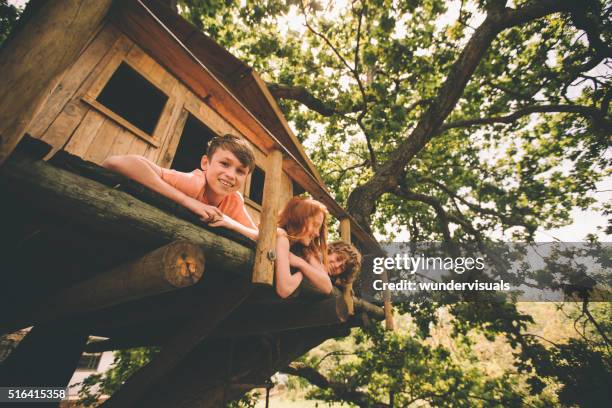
194, 185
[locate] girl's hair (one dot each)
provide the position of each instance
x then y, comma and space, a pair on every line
294, 220
352, 261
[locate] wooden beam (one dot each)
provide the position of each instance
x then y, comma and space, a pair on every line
232, 368
345, 235
96, 207
214, 309
32, 62
47, 356
173, 266
265, 253
345, 230
248, 321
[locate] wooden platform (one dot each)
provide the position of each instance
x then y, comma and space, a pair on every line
69, 225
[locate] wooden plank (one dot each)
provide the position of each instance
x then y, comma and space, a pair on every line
120, 120
100, 146
265, 254
64, 125
208, 116
86, 132
216, 309
345, 235
32, 62
122, 143
345, 230
67, 121
107, 67
166, 122
138, 146
169, 150
73, 78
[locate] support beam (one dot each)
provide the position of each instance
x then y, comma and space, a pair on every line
215, 308
239, 325
47, 356
265, 253
230, 370
345, 230
32, 61
345, 235
173, 266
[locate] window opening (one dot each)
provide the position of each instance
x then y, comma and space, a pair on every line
297, 189
257, 185
89, 361
192, 146
131, 96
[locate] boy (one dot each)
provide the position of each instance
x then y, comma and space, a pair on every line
344, 267
344, 263
211, 193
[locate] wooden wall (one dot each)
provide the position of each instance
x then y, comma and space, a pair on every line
74, 121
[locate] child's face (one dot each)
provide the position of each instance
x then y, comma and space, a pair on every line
336, 264
225, 174
313, 228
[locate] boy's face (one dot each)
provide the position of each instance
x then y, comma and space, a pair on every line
336, 264
225, 174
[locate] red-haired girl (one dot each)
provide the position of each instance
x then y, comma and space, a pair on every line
302, 243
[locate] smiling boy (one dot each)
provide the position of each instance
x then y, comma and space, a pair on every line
210, 192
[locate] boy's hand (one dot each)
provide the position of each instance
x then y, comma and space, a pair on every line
207, 213
224, 221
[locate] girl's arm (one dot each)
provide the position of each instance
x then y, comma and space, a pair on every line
286, 283
315, 272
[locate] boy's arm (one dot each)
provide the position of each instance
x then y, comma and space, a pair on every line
149, 174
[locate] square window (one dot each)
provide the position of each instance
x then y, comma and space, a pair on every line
192, 146
132, 97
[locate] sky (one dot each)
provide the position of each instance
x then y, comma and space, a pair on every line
585, 222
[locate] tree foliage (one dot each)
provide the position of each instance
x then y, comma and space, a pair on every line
492, 122
460, 122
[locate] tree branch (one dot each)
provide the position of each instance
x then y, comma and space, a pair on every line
302, 95
340, 390
362, 201
593, 113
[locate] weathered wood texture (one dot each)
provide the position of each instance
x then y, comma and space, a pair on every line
173, 266
31, 65
47, 356
216, 309
79, 228
265, 253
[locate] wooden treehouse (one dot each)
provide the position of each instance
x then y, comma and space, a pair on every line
87, 252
